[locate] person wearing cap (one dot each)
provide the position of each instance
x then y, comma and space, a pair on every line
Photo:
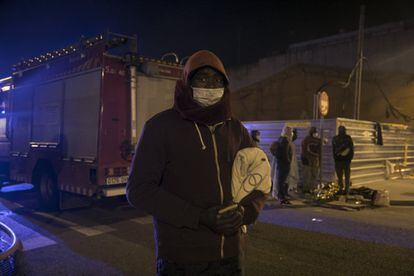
181, 175
343, 153
310, 155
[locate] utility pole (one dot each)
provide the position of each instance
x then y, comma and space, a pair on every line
360, 56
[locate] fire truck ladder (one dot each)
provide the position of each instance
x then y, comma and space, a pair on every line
109, 39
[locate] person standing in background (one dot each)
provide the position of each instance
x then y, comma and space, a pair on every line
255, 134
343, 152
283, 161
310, 155
293, 178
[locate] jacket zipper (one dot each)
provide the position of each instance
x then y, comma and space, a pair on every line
212, 130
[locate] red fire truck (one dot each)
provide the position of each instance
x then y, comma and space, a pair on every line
74, 115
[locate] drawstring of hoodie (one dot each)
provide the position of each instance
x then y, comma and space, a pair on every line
203, 146
229, 143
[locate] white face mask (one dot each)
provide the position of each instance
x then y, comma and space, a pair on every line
207, 96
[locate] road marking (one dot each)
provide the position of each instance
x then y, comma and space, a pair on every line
88, 231
55, 218
11, 205
93, 230
143, 220
36, 242
18, 205
30, 238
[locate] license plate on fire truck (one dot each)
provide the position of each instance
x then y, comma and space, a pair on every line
117, 180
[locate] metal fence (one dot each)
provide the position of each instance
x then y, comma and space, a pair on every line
372, 162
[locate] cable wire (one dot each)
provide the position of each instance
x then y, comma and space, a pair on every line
394, 111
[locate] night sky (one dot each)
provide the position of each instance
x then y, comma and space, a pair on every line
238, 31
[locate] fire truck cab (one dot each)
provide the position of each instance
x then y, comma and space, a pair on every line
76, 114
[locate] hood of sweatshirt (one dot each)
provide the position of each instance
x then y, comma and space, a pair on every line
183, 100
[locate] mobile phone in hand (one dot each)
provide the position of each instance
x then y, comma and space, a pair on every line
227, 209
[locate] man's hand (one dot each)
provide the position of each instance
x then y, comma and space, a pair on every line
226, 223
230, 222
209, 217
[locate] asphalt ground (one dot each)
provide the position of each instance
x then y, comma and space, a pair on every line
111, 238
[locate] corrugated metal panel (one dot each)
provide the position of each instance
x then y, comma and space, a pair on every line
47, 115
153, 95
369, 162
21, 100
81, 114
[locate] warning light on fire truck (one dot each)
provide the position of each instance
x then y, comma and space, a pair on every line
5, 88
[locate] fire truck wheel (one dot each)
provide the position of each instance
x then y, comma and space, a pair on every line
47, 189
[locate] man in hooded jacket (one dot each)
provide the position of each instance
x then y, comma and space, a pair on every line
283, 160
181, 175
343, 153
311, 151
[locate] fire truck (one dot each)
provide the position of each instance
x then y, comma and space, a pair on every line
74, 116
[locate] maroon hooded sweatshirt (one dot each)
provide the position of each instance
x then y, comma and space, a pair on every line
183, 164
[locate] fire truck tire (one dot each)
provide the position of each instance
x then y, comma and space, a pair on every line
46, 185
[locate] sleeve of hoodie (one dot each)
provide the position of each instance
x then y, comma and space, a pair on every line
351, 146
253, 203
143, 188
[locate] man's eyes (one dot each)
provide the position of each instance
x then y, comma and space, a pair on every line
205, 80
202, 79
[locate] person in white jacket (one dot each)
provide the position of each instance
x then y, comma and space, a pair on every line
251, 171
293, 178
